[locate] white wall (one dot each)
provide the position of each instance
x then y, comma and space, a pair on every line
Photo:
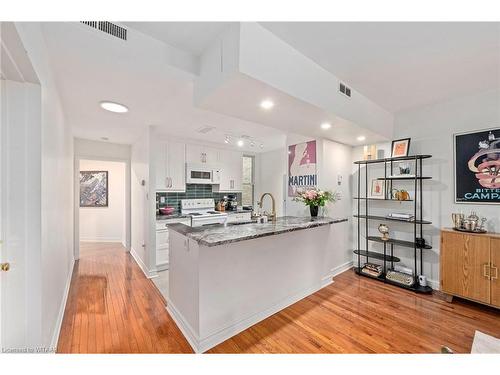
270, 169
56, 189
140, 228
106, 224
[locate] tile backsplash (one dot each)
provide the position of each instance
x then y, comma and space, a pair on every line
192, 191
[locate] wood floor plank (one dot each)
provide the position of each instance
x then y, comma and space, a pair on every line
113, 308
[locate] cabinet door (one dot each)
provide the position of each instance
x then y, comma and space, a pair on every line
211, 155
231, 171
495, 265
464, 265
177, 166
194, 154
237, 172
161, 182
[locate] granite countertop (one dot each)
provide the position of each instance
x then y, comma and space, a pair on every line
223, 234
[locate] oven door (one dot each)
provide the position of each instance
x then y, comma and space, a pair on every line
208, 220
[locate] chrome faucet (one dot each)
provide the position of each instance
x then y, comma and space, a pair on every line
272, 216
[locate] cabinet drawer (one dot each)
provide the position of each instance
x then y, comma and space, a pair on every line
162, 239
161, 256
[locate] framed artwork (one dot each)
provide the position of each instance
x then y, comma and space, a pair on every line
477, 166
93, 188
400, 147
378, 189
301, 167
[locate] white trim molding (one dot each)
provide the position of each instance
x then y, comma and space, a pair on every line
62, 308
148, 273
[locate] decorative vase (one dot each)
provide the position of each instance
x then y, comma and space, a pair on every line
314, 210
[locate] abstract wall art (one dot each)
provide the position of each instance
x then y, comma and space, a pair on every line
93, 188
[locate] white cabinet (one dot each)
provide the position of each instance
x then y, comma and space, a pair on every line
162, 252
170, 160
231, 165
239, 217
197, 154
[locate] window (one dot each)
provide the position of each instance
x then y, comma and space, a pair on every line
248, 181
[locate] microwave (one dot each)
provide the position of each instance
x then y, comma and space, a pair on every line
202, 174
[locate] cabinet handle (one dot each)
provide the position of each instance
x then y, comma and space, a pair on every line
485, 273
496, 272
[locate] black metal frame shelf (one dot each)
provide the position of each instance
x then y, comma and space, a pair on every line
417, 220
376, 217
399, 242
375, 255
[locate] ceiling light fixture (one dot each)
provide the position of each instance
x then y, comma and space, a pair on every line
267, 104
240, 142
227, 139
361, 138
261, 145
113, 107
326, 125
252, 143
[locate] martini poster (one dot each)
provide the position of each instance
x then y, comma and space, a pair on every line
301, 167
477, 167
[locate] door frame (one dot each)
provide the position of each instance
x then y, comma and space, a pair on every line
76, 203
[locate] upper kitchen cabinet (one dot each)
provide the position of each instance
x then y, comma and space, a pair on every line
170, 160
197, 154
231, 163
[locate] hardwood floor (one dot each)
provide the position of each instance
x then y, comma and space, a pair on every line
113, 308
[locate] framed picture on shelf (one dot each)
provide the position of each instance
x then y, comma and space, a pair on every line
378, 189
400, 147
477, 162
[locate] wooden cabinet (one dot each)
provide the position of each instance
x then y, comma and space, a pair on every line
231, 164
468, 266
170, 159
495, 265
198, 154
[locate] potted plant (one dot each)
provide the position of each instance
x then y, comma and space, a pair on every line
315, 198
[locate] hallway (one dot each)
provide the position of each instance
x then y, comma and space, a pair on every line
113, 308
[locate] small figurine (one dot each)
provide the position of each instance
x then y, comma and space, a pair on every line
384, 230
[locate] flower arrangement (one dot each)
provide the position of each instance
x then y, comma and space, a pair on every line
315, 198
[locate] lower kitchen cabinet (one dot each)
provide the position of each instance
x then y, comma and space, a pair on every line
469, 266
162, 235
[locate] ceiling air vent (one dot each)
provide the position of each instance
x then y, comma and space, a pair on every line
205, 129
108, 28
344, 89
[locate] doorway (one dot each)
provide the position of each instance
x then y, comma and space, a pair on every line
102, 205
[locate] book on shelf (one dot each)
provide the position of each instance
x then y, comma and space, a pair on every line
372, 269
399, 215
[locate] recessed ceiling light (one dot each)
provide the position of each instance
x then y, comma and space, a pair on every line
114, 107
240, 142
326, 125
267, 104
361, 138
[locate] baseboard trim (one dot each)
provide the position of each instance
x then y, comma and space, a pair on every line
62, 309
149, 274
215, 338
335, 271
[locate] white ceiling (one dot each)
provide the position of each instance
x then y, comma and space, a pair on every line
401, 65
90, 68
193, 37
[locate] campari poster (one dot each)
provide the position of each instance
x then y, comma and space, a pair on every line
477, 167
301, 167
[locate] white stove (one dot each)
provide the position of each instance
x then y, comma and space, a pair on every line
202, 212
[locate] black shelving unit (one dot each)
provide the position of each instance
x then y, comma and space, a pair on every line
417, 222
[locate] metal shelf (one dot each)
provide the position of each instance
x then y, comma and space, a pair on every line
416, 287
391, 178
398, 242
375, 217
383, 199
375, 255
388, 160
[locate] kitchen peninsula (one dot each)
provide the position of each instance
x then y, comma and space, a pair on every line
225, 278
